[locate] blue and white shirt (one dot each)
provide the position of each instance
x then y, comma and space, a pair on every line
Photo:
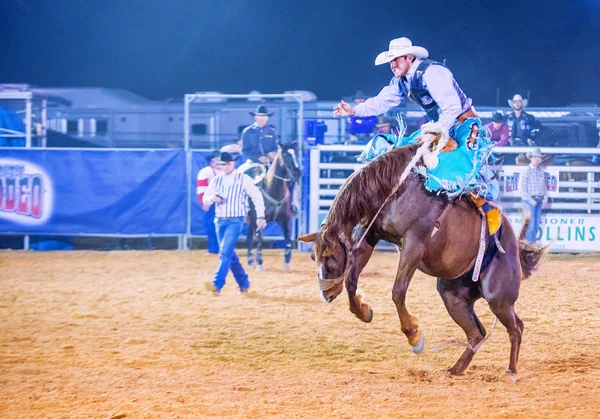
234, 189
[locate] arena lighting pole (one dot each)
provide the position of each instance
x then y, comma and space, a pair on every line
193, 97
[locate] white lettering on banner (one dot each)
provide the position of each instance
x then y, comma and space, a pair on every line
572, 233
26, 192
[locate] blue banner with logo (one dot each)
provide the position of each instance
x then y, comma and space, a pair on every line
92, 192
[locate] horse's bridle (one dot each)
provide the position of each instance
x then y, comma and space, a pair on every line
327, 284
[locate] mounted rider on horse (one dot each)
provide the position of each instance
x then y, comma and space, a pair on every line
458, 167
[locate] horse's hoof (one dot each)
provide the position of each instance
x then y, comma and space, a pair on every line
287, 266
418, 348
260, 268
369, 317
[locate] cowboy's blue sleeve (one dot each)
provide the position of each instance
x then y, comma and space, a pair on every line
389, 97
250, 144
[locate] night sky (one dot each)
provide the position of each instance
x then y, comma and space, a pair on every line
162, 49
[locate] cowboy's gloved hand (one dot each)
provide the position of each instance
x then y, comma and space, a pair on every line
263, 159
271, 155
261, 223
343, 109
428, 138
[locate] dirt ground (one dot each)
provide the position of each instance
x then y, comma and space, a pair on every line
134, 334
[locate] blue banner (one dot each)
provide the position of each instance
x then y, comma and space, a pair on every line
92, 191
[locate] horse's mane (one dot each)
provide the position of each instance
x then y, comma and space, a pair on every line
364, 192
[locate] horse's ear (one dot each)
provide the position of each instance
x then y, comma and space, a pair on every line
309, 238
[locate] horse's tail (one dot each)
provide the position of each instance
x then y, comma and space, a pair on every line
530, 255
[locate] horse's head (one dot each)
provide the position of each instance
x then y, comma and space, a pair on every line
332, 259
290, 162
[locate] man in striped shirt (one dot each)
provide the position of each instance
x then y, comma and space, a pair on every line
230, 190
205, 175
534, 192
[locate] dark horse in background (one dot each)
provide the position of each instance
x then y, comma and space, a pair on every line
283, 169
408, 220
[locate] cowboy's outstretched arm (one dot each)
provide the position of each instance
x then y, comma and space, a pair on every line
389, 97
343, 109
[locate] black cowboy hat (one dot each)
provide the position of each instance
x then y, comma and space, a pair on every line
261, 110
498, 117
227, 158
213, 155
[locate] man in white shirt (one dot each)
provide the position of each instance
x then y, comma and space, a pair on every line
205, 175
432, 86
230, 190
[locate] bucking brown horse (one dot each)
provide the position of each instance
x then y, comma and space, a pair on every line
408, 220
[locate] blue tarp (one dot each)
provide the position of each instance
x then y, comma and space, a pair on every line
9, 120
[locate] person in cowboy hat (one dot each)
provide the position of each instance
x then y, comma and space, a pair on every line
433, 87
259, 140
229, 191
384, 126
205, 175
520, 124
498, 130
534, 193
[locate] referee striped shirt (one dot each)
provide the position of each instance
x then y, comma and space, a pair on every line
234, 189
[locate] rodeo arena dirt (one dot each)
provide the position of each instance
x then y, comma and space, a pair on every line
134, 334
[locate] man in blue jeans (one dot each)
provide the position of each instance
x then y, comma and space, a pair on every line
535, 193
229, 191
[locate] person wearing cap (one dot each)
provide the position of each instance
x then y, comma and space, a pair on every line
498, 130
432, 86
259, 140
229, 191
520, 123
534, 193
205, 175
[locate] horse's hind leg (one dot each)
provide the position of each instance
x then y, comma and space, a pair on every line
514, 325
501, 290
459, 298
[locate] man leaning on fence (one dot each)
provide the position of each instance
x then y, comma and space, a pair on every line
230, 190
534, 193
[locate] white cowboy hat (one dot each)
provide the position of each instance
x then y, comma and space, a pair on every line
535, 153
518, 97
400, 47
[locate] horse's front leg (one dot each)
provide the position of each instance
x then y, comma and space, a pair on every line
259, 256
410, 257
287, 235
250, 237
357, 305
